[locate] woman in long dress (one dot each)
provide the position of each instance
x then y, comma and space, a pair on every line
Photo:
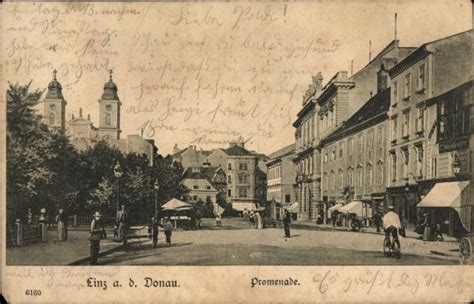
60, 222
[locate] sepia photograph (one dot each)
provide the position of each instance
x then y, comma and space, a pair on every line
262, 134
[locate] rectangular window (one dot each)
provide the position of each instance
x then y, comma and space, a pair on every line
406, 161
420, 120
421, 77
394, 167
243, 166
361, 180
243, 179
208, 199
394, 129
370, 176
333, 155
195, 187
326, 180
406, 125
242, 192
349, 178
407, 86
419, 161
380, 175
333, 181
229, 193
341, 180
229, 179
434, 167
208, 187
229, 166
287, 198
195, 198
395, 92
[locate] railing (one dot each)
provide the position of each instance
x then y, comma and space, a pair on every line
76, 220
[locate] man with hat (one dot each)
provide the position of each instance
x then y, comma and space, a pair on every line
286, 223
391, 224
96, 233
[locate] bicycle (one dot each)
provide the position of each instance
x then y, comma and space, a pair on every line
391, 243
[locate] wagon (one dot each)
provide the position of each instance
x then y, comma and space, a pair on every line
465, 249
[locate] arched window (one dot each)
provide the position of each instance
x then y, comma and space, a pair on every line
108, 119
52, 118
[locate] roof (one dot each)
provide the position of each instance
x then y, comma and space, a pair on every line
238, 151
283, 151
110, 90
54, 88
203, 173
419, 53
378, 104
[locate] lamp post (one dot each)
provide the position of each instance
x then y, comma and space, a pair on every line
118, 174
157, 187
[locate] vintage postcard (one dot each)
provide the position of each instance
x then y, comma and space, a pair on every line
314, 151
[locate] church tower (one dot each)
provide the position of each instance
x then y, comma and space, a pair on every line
55, 105
109, 126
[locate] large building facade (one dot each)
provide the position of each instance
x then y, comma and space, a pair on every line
281, 174
430, 132
82, 132
324, 112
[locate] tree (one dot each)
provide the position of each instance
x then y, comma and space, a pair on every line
101, 197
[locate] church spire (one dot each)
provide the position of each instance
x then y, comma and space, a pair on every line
54, 88
110, 89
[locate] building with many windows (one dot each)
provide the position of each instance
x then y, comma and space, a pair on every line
430, 130
281, 175
246, 182
324, 112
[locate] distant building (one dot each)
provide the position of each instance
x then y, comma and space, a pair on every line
245, 172
246, 182
199, 186
81, 131
281, 174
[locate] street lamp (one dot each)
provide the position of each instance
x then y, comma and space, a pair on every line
118, 174
157, 187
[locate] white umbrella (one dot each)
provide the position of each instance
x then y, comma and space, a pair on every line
175, 204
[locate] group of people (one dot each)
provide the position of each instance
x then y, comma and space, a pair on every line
254, 218
97, 231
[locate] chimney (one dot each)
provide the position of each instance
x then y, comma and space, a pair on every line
382, 78
206, 164
80, 112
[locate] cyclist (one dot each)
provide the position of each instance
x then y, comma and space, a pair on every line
391, 224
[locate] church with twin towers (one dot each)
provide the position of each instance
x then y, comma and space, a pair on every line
80, 129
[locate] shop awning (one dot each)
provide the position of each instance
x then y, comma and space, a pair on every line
353, 207
294, 208
243, 206
444, 195
336, 207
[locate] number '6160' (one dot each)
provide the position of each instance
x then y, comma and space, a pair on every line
33, 292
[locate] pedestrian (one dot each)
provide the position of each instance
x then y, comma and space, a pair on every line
154, 225
121, 223
334, 218
60, 220
286, 223
258, 220
168, 230
218, 220
427, 227
377, 220
96, 233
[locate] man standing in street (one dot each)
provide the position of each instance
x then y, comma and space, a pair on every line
377, 220
121, 223
96, 233
286, 223
154, 225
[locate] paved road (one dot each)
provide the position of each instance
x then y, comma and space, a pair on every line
234, 245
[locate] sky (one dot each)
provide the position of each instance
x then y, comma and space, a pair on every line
206, 74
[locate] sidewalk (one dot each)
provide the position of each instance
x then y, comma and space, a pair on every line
52, 253
411, 244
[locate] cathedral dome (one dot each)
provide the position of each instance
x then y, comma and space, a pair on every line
54, 88
110, 89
